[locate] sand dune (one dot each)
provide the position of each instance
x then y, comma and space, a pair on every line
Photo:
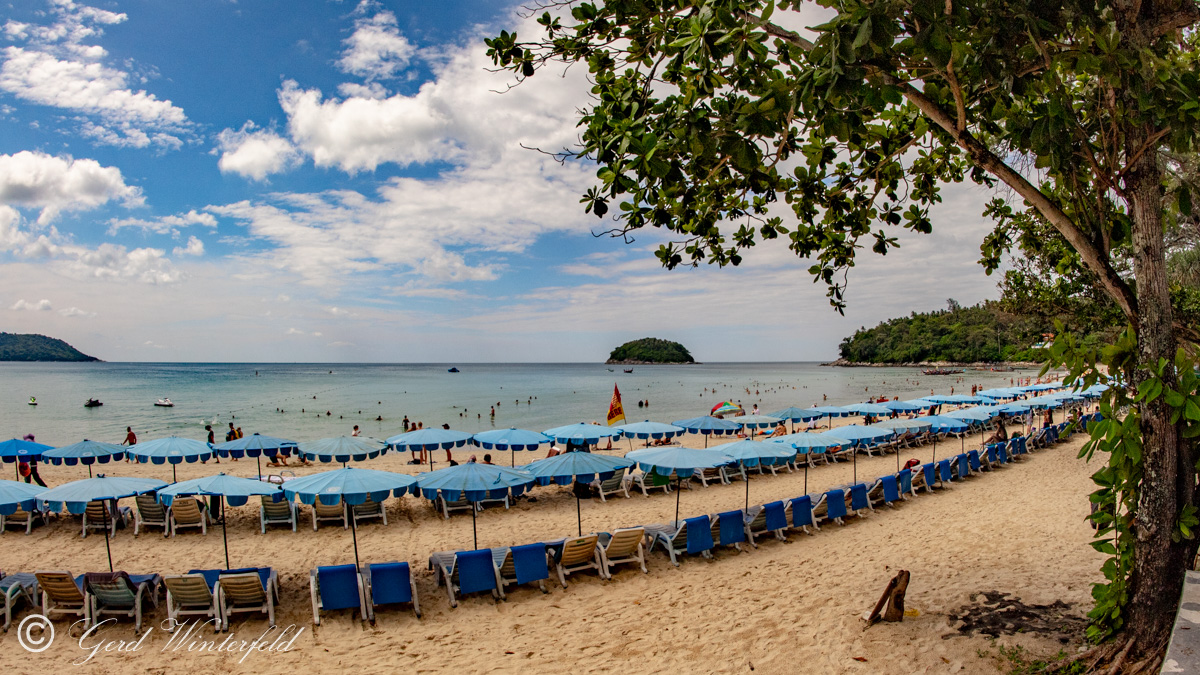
782, 608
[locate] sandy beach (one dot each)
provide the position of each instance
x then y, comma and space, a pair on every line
780, 608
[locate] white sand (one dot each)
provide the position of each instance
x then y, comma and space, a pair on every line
785, 607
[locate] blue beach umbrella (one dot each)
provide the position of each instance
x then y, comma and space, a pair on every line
236, 491
872, 409
648, 429
904, 426
1002, 393
576, 466
17, 495
474, 482
681, 461
18, 450
708, 426
172, 449
84, 452
757, 421
904, 406
974, 414
753, 453
342, 449
856, 434
428, 440
581, 433
807, 444
510, 439
255, 445
74, 496
795, 414
945, 424
350, 486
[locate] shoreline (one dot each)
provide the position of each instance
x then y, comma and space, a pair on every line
842, 363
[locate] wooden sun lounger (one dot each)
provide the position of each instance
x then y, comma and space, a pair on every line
276, 513
334, 513
98, 517
245, 592
62, 595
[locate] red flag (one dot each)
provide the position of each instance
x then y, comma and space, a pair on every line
616, 413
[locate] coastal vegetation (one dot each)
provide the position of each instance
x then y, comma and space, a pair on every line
650, 350
713, 120
982, 333
29, 347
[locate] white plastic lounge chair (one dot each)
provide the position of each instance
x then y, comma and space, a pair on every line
246, 592
467, 572
150, 513
187, 512
120, 594
448, 507
673, 538
62, 595
622, 546
716, 474
189, 595
579, 554
612, 486
369, 509
334, 513
276, 513
22, 518
98, 516
648, 482
15, 588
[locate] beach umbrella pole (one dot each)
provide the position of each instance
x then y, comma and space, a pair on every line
746, 475
174, 478
678, 491
474, 532
806, 463
578, 515
107, 547
353, 530
224, 533
854, 449
258, 461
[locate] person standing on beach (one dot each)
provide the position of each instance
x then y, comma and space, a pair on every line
28, 469
130, 437
211, 440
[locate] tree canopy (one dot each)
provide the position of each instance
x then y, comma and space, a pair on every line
28, 347
650, 350
716, 121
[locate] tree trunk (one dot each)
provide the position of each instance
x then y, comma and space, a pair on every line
1168, 478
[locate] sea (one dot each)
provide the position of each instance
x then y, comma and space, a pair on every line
310, 401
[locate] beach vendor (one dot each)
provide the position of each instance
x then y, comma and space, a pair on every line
28, 469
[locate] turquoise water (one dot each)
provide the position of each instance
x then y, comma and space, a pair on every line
278, 399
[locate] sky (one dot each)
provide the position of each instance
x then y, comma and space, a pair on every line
322, 181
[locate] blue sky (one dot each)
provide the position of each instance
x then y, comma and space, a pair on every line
331, 181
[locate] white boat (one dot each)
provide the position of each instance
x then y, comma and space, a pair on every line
164, 403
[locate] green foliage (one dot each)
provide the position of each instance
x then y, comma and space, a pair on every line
1118, 440
1019, 662
981, 333
24, 347
651, 350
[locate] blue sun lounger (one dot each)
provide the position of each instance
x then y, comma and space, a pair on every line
467, 572
858, 499
905, 478
885, 490
389, 583
802, 513
831, 506
15, 588
730, 528
974, 462
930, 472
944, 472
699, 536
961, 466
336, 587
521, 565
766, 519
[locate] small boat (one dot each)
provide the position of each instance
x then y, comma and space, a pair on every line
610, 370
92, 403
629, 370
942, 371
453, 370
32, 400
164, 403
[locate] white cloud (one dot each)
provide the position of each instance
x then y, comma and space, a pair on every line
294, 331
194, 247
55, 184
75, 312
376, 50
165, 224
255, 153
39, 306
55, 68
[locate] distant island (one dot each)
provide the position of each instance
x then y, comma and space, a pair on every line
978, 335
650, 350
26, 347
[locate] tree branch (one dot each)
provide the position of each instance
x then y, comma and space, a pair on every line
791, 37
1094, 258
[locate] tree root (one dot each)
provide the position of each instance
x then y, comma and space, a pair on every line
1120, 660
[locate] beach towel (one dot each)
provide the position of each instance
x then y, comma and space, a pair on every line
973, 461
802, 512
905, 480
858, 497
732, 527
944, 472
930, 474
529, 563
776, 516
699, 534
835, 504
963, 469
211, 576
476, 571
891, 489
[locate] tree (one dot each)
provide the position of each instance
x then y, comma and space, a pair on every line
712, 119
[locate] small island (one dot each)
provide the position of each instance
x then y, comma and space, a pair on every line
649, 351
28, 347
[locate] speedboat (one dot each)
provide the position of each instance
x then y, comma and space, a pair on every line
452, 370
32, 400
92, 403
164, 403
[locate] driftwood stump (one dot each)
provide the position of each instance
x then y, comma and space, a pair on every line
892, 599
